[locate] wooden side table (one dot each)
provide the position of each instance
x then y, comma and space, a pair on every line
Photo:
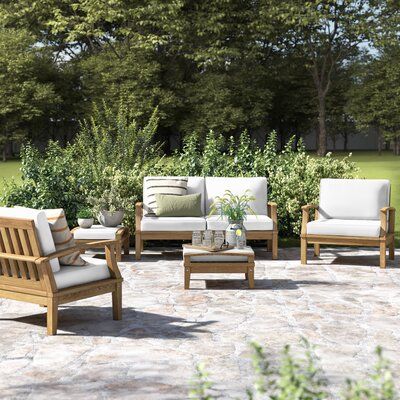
227, 261
99, 232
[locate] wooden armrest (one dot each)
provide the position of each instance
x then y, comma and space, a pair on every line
385, 219
386, 209
138, 215
18, 257
272, 209
309, 207
70, 250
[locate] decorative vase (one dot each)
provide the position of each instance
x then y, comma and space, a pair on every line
230, 233
85, 223
110, 218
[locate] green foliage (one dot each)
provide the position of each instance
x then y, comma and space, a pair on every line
49, 180
84, 213
103, 167
300, 378
235, 208
293, 175
201, 386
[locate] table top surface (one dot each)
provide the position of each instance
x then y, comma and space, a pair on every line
246, 251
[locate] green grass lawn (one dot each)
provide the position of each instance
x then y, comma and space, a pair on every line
386, 166
9, 171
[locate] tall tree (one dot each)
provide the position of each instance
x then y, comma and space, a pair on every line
24, 96
326, 33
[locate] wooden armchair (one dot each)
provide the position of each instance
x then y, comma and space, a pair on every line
26, 274
352, 212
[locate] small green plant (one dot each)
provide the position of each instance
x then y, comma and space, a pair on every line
110, 200
84, 213
235, 208
300, 378
201, 385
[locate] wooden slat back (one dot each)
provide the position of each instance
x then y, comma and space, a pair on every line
18, 237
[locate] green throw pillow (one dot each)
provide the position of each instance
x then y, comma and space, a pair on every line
178, 206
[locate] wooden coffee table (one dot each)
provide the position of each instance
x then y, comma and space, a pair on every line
237, 261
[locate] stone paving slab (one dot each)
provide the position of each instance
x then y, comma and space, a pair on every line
342, 302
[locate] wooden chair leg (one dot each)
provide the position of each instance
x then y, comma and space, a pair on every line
275, 246
187, 277
126, 246
117, 302
269, 245
391, 250
52, 317
317, 250
303, 250
118, 251
138, 246
382, 260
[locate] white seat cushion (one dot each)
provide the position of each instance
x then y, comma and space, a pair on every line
95, 270
353, 198
43, 232
173, 223
252, 223
96, 232
257, 187
343, 227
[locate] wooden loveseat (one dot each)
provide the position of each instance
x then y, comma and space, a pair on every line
261, 226
29, 273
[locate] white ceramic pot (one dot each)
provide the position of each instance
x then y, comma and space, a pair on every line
85, 223
110, 218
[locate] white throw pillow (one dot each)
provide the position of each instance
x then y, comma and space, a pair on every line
162, 185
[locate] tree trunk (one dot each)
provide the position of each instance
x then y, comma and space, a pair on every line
345, 140
378, 131
322, 138
4, 153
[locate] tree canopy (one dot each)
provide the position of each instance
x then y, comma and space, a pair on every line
222, 65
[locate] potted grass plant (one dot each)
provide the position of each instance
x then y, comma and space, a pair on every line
85, 218
235, 208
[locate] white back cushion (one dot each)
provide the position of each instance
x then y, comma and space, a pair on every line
42, 229
257, 187
353, 198
195, 184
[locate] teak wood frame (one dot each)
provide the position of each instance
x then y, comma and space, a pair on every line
224, 267
140, 236
26, 274
385, 239
121, 242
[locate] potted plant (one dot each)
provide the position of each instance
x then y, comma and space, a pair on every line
108, 208
85, 218
235, 209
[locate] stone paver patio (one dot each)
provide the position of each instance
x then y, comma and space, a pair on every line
345, 305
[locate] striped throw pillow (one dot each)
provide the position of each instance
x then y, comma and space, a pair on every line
162, 185
62, 237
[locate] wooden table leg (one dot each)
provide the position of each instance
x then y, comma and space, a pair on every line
250, 275
187, 277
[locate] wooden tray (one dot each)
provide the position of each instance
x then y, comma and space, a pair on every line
210, 249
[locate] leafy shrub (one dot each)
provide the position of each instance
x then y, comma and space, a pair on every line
110, 155
293, 175
299, 379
